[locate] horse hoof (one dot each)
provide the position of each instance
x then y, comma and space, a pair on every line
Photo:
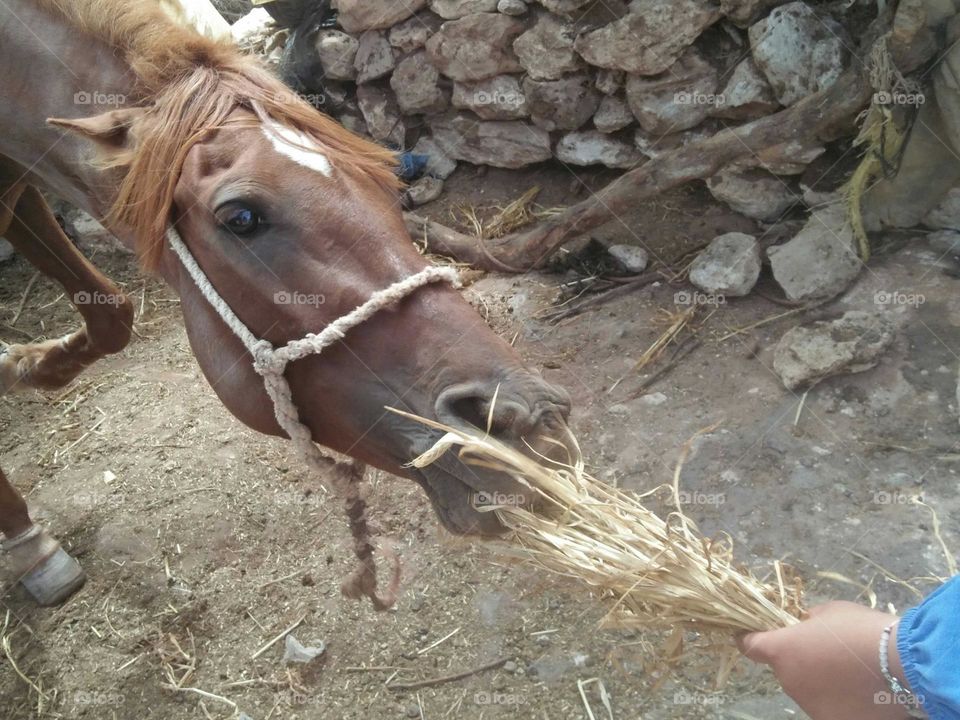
49, 573
54, 580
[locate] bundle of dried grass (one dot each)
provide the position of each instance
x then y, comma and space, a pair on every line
656, 573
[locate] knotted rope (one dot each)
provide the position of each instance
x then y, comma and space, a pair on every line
271, 363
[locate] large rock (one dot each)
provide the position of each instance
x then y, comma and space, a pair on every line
650, 38
754, 193
337, 52
821, 261
546, 49
565, 104
496, 98
355, 16
729, 266
592, 147
850, 344
374, 57
413, 34
439, 164
416, 84
381, 114
678, 99
456, 9
799, 51
612, 115
507, 144
476, 47
747, 94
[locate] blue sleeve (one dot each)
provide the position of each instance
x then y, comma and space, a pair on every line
928, 640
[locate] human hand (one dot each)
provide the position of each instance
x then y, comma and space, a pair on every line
829, 663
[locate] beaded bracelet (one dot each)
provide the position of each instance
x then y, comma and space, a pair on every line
901, 694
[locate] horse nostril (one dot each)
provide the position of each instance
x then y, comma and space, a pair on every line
471, 405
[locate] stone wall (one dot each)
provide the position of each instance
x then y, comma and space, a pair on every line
509, 83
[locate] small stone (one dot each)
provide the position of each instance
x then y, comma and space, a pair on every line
799, 51
514, 8
729, 266
592, 147
820, 262
412, 711
612, 115
439, 164
632, 258
754, 193
510, 666
337, 52
426, 189
654, 399
416, 84
374, 57
850, 344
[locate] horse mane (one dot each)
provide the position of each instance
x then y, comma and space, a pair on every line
188, 85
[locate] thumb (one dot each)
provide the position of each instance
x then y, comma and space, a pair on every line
758, 646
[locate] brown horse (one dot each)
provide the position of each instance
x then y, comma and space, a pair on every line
147, 125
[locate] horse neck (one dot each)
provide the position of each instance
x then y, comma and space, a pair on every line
46, 66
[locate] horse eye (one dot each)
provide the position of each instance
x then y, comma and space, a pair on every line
239, 220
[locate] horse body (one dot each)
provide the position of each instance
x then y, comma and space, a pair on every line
274, 202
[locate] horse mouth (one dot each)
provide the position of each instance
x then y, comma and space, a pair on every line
453, 503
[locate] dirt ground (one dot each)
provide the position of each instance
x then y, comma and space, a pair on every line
204, 540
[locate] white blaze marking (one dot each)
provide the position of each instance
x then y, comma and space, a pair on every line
293, 144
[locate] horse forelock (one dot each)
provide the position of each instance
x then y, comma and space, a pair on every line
189, 85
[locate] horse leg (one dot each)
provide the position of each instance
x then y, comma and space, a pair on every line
107, 313
44, 568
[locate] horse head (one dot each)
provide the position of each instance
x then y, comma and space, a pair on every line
296, 222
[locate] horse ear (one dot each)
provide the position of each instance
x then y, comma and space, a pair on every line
110, 129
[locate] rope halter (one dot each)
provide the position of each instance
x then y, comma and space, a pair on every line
271, 363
